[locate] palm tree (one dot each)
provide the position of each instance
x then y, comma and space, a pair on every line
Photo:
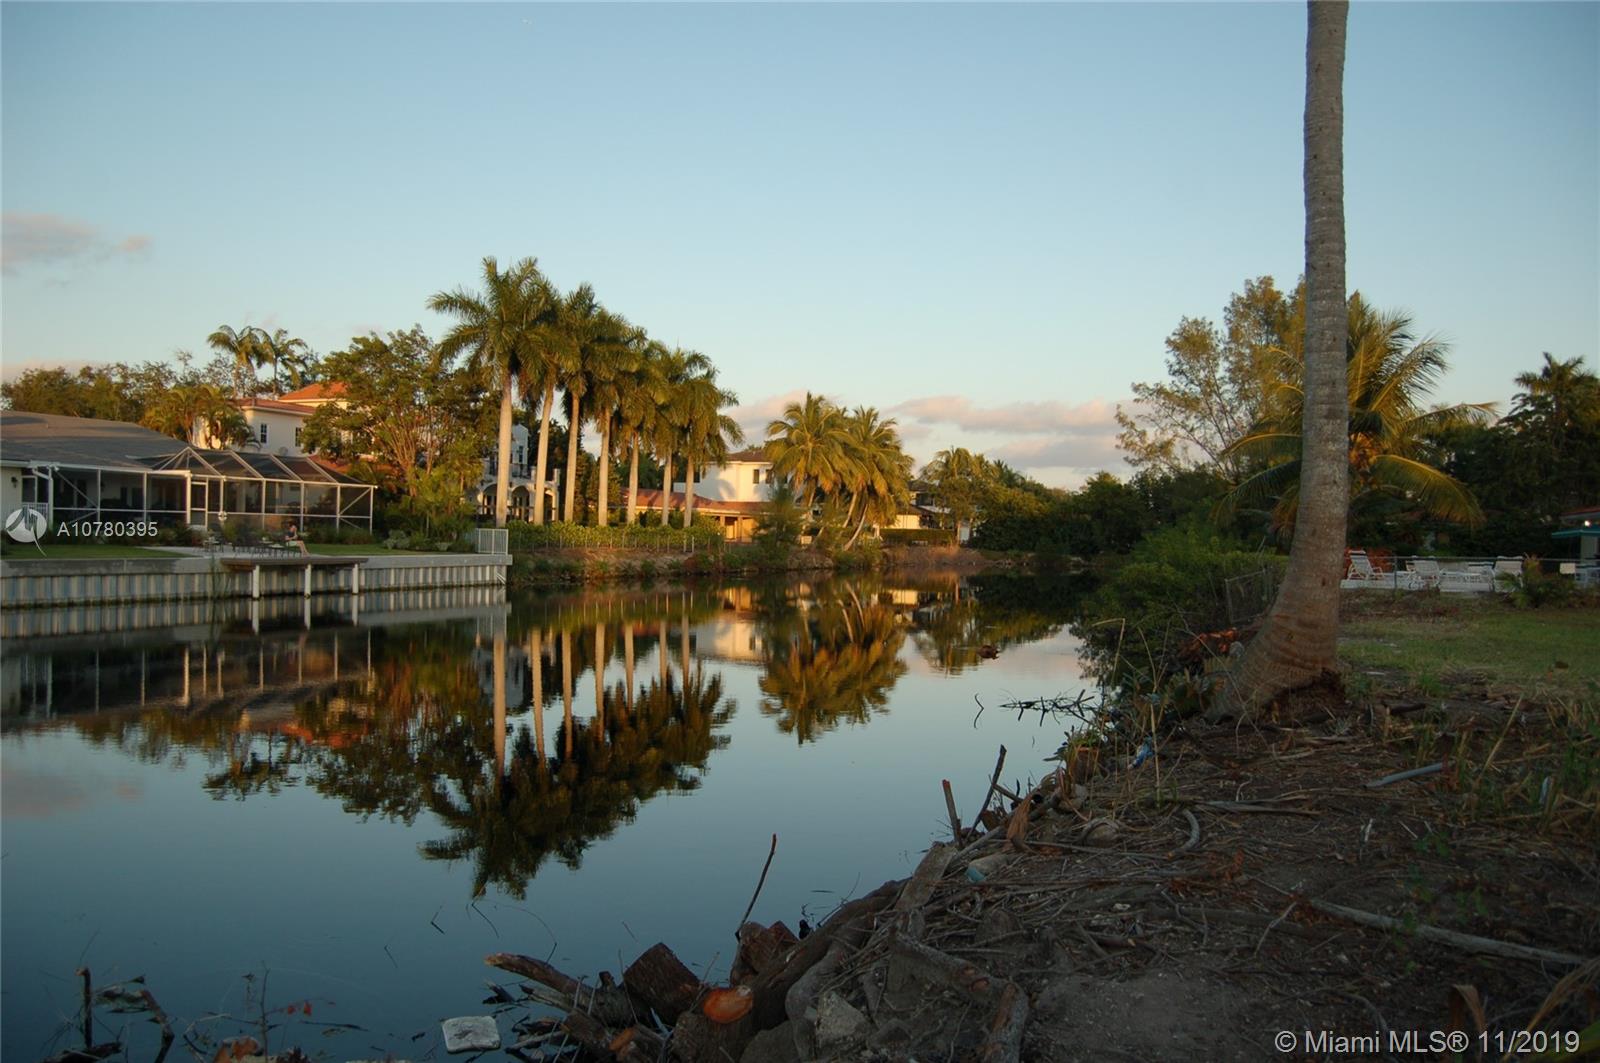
881, 483
1298, 641
1387, 372
500, 328
959, 479
611, 371
639, 411
244, 347
707, 431
553, 355
810, 445
678, 367
182, 410
286, 353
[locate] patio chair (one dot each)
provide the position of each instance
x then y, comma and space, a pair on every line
1473, 578
1425, 571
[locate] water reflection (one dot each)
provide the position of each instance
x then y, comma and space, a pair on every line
443, 723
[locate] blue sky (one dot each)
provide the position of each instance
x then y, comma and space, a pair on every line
985, 218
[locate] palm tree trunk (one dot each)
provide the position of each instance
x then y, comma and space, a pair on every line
502, 476
544, 451
688, 491
571, 485
661, 649
605, 471
666, 492
859, 526
1297, 643
633, 480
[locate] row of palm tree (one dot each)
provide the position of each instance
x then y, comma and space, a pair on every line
253, 347
850, 462
526, 337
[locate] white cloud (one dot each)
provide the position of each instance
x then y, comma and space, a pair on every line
52, 240
1012, 418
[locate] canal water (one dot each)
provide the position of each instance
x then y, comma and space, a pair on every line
332, 819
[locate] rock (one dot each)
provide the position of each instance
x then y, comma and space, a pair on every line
471, 1033
984, 866
776, 1045
838, 1021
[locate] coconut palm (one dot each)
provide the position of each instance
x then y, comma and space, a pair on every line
880, 483
707, 431
810, 445
191, 411
244, 347
287, 354
1298, 641
499, 327
959, 479
1388, 371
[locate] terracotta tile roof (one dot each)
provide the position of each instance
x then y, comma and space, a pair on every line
276, 406
748, 454
315, 392
649, 498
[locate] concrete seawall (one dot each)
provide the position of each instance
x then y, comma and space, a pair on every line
48, 583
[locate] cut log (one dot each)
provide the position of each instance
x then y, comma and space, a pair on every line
696, 1038
662, 982
759, 948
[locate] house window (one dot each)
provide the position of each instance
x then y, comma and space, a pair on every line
263, 433
755, 476
297, 430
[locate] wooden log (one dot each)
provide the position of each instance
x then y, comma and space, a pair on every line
661, 981
696, 1039
638, 1043
950, 806
759, 948
1006, 1028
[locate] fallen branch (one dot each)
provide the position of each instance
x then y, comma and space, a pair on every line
994, 781
1466, 942
1402, 776
1010, 1016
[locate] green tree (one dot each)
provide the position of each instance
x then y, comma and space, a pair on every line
244, 350
1388, 372
707, 432
407, 406
1218, 382
189, 411
810, 446
960, 481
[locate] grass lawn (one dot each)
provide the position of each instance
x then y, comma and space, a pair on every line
1432, 641
72, 551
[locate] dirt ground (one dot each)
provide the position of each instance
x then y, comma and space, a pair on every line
1169, 912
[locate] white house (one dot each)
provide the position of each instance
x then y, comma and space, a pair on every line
735, 492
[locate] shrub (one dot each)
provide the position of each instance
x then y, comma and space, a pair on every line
1174, 587
524, 536
916, 536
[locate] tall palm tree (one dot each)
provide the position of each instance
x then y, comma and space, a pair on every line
244, 347
1388, 371
810, 446
707, 431
960, 480
678, 368
499, 328
593, 336
553, 355
611, 372
639, 410
1298, 641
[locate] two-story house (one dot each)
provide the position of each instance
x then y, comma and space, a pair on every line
734, 492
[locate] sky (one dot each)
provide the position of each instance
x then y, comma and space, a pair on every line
982, 219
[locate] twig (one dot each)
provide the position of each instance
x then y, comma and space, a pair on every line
1194, 835
950, 805
994, 781
1466, 942
1402, 776
1270, 926
759, 883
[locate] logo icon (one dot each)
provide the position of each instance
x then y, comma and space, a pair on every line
26, 524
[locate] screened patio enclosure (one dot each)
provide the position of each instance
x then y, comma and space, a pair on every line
76, 468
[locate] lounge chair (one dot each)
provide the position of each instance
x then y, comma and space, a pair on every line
1425, 571
1474, 578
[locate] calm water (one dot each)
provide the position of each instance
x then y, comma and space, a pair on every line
362, 808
